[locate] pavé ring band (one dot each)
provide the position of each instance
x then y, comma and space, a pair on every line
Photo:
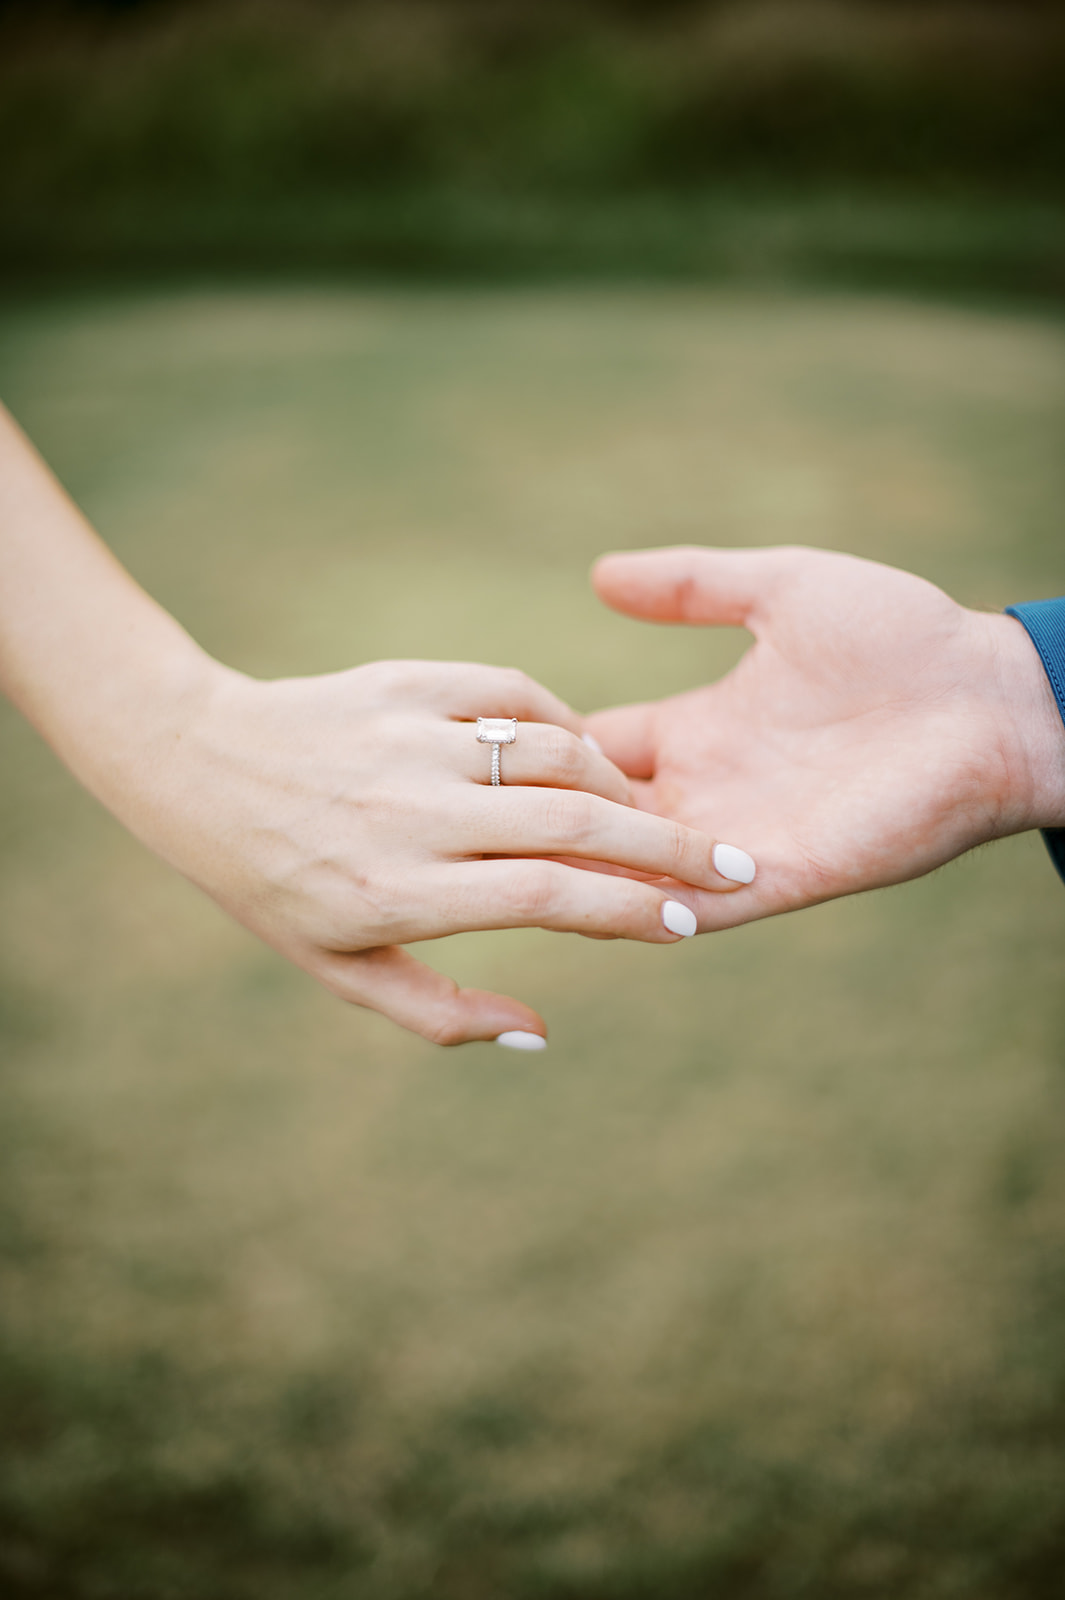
496, 731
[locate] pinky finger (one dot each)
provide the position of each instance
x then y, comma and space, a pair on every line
391, 981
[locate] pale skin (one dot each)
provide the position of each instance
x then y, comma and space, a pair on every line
337, 817
875, 730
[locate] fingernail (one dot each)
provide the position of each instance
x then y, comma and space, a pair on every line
517, 1040
734, 864
593, 743
678, 919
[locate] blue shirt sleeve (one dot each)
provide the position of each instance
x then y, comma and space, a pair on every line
1045, 622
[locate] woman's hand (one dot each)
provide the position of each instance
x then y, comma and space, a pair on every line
340, 817
336, 817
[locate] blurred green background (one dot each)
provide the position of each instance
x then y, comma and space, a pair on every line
342, 322
872, 139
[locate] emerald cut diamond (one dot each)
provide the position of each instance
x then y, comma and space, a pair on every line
497, 730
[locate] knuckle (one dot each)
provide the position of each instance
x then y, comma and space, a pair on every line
681, 850
570, 821
679, 842
386, 679
689, 594
521, 692
631, 905
563, 754
446, 1030
793, 563
533, 894
364, 914
393, 810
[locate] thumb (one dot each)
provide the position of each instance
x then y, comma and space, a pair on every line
391, 981
692, 584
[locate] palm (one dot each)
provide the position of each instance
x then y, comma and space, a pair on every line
842, 752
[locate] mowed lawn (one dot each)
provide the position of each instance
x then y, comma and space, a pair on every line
753, 1286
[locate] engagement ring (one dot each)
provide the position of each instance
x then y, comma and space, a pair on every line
496, 731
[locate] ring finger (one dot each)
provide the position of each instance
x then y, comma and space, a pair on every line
544, 755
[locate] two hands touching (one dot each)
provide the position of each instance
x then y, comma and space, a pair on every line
873, 731
342, 817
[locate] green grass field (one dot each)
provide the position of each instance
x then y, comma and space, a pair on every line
753, 1287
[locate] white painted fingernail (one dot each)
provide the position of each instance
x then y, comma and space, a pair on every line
678, 919
593, 743
517, 1040
734, 864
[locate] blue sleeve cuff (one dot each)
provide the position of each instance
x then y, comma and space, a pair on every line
1045, 622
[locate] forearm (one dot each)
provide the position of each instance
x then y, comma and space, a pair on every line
101, 670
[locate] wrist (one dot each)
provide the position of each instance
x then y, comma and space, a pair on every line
1026, 732
131, 735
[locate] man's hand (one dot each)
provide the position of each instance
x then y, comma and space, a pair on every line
875, 730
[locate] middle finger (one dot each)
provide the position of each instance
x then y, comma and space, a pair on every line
524, 821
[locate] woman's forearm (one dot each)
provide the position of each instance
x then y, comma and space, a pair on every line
337, 817
100, 669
